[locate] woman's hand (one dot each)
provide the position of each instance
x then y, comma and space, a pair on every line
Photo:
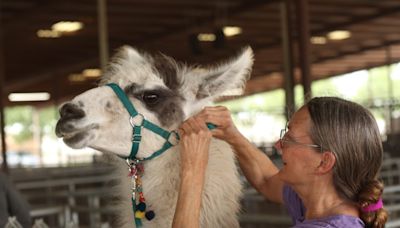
194, 143
220, 116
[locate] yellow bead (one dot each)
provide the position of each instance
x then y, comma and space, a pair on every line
139, 214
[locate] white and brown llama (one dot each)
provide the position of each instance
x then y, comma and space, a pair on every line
165, 93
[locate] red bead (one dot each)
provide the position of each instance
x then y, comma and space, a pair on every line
141, 197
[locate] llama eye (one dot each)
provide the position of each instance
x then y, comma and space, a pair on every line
150, 98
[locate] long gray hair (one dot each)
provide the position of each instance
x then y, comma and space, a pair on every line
350, 131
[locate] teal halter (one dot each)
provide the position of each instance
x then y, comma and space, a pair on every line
171, 137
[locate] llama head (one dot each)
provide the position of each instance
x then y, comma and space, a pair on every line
163, 91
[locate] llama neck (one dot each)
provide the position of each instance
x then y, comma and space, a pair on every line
160, 183
164, 168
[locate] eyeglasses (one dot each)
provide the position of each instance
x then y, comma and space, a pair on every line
284, 141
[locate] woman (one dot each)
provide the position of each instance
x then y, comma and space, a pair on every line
331, 153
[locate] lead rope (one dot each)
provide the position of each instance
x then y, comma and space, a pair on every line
135, 165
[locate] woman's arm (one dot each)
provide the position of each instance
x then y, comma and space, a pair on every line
194, 145
256, 166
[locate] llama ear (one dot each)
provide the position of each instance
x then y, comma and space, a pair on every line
125, 56
230, 76
129, 53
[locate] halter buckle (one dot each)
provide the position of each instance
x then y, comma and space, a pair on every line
139, 118
136, 138
173, 138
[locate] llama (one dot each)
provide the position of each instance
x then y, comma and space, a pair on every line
165, 93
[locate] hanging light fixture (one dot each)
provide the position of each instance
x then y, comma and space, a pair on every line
339, 35
67, 26
232, 30
19, 97
318, 40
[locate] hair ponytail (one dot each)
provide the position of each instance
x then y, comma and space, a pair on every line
369, 195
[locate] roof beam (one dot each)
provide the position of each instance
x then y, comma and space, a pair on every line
336, 26
357, 20
360, 50
32, 79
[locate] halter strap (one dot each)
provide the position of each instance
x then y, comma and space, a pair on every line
124, 99
137, 128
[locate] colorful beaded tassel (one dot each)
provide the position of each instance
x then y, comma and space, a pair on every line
139, 206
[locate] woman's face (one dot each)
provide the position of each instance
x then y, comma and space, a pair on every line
300, 159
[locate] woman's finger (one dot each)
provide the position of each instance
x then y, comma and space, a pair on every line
201, 123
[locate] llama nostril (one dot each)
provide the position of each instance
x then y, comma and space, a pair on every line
71, 111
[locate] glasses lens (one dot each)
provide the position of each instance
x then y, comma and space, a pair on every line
283, 132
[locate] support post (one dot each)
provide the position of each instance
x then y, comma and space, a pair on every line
303, 32
287, 46
4, 166
390, 123
103, 33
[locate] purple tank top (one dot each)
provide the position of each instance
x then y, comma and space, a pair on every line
297, 211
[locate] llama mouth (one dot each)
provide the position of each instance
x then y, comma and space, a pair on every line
80, 139
65, 131
74, 140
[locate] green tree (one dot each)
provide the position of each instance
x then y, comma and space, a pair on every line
19, 116
48, 117
272, 102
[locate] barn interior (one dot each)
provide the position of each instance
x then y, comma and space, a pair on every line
61, 48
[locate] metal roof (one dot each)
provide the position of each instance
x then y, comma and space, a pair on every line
168, 26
